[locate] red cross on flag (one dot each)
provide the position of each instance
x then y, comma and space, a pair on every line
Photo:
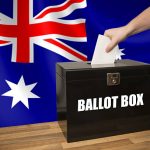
46, 29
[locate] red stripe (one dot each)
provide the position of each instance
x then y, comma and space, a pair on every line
23, 48
24, 29
57, 9
67, 49
3, 42
71, 30
8, 30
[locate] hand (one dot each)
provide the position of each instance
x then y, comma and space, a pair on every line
116, 35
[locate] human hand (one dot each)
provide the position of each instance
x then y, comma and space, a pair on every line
116, 35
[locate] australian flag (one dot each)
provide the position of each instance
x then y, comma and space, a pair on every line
36, 34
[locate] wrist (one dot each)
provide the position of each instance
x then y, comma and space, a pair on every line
130, 29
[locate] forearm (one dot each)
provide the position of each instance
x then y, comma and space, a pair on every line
139, 24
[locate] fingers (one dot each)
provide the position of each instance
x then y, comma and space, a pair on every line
116, 35
113, 35
107, 33
112, 44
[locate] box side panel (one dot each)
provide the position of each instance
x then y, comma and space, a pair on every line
60, 70
61, 97
61, 103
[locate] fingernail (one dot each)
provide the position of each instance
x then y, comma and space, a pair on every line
107, 51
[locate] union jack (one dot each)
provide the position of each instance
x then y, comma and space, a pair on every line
46, 29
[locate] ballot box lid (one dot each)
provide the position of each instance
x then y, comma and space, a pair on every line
84, 70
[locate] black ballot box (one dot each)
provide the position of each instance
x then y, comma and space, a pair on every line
103, 100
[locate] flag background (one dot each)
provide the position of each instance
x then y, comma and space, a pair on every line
100, 15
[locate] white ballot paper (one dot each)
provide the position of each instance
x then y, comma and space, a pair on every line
100, 56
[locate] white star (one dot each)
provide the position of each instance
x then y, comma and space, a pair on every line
20, 92
119, 54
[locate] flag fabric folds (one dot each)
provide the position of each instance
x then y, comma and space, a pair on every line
36, 34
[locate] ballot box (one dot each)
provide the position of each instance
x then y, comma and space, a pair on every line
103, 100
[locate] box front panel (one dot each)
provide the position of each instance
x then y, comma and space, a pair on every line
95, 109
